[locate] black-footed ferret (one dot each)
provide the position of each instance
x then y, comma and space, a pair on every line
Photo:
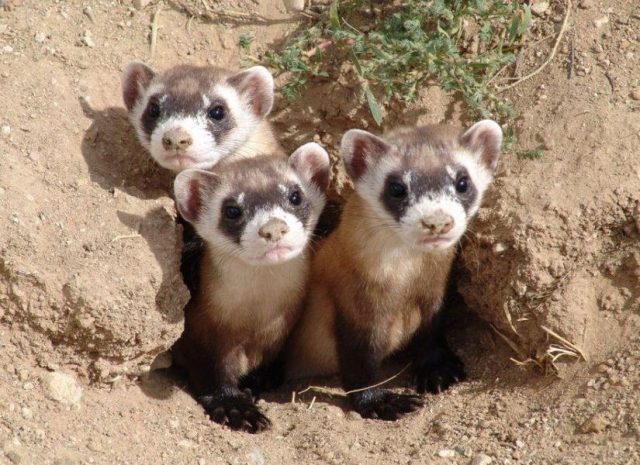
256, 217
194, 116
379, 280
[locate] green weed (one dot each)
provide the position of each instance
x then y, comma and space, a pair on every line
394, 48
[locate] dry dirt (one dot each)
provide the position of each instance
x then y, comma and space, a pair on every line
89, 284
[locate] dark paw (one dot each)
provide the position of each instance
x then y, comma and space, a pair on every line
439, 371
385, 405
264, 379
237, 411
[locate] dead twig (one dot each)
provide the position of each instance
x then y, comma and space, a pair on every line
340, 393
612, 82
126, 236
154, 32
572, 58
568, 343
554, 50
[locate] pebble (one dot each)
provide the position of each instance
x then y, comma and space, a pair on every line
26, 413
601, 21
595, 424
7, 49
87, 39
256, 457
499, 247
14, 457
63, 388
294, 5
88, 11
140, 4
40, 37
201, 461
586, 4
635, 94
6, 129
25, 386
539, 8
446, 453
481, 459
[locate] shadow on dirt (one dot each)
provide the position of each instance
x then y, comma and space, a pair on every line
159, 229
115, 158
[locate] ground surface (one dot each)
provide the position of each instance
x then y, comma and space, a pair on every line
87, 239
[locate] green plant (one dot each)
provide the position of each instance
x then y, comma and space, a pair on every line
396, 47
245, 41
533, 154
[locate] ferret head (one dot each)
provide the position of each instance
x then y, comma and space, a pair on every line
262, 211
425, 184
192, 116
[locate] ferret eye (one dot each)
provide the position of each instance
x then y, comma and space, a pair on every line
397, 190
232, 213
154, 110
295, 197
216, 113
462, 184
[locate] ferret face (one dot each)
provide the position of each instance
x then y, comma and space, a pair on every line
192, 117
424, 186
261, 211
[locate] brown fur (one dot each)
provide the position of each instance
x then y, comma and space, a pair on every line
386, 297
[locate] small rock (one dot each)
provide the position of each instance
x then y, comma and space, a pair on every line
25, 386
586, 4
201, 461
294, 5
33, 156
88, 11
256, 457
635, 94
40, 37
63, 388
519, 443
14, 457
601, 21
499, 247
481, 459
26, 413
595, 424
7, 49
447, 453
140, 4
539, 8
87, 39
6, 129
174, 423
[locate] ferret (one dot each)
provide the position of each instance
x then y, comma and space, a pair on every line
257, 217
379, 279
195, 116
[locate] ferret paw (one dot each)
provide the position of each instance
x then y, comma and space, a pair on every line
440, 370
385, 405
237, 411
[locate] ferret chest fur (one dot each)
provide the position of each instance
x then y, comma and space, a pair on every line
246, 296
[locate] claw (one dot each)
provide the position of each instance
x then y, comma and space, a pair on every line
236, 411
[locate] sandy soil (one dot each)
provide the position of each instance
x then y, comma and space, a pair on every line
89, 286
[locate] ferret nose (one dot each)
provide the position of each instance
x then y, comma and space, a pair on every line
176, 138
437, 223
273, 230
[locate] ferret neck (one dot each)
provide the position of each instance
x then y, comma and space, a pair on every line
261, 141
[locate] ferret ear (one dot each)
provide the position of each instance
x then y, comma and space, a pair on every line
311, 163
484, 140
192, 188
255, 85
136, 77
360, 149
